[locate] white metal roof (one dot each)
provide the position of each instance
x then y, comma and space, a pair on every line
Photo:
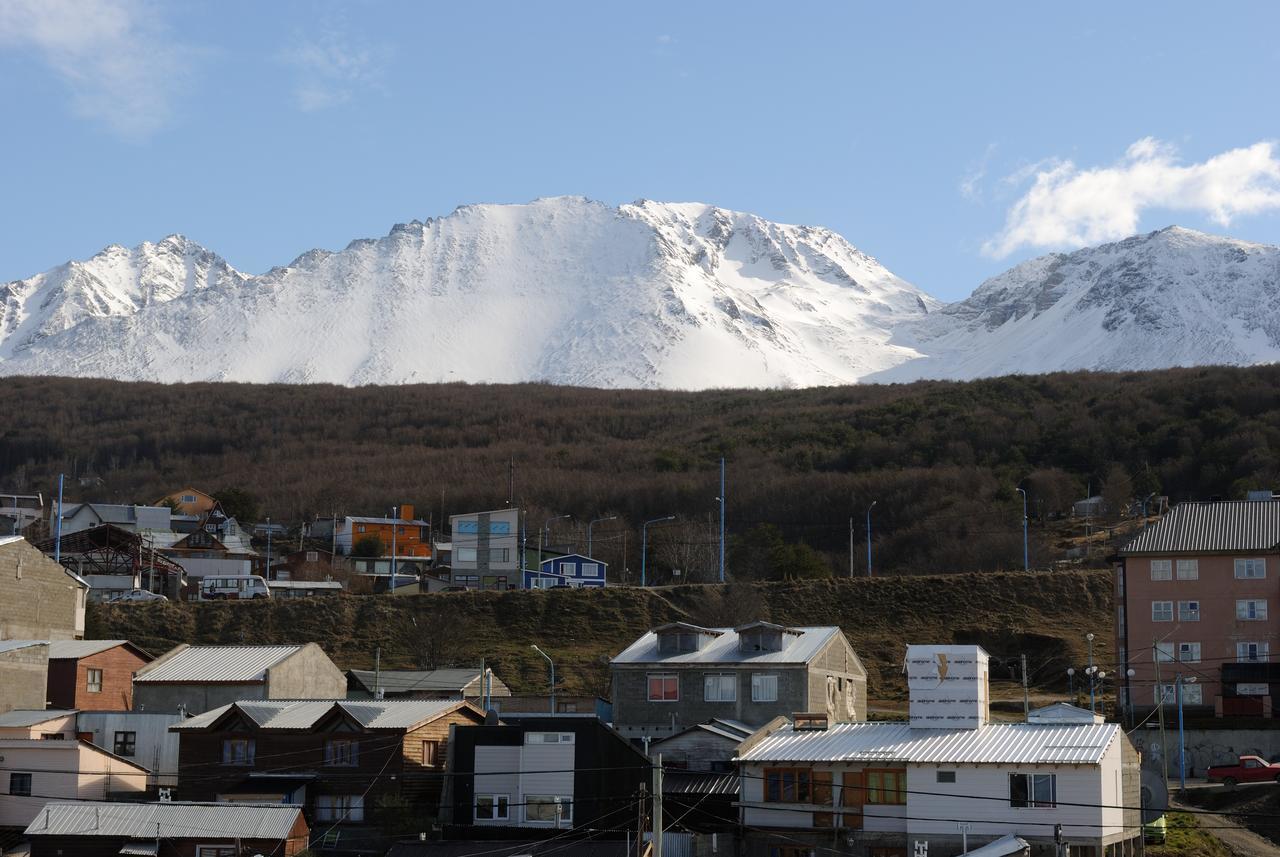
27, 717
4, 540
10, 645
995, 743
80, 648
216, 664
304, 714
165, 820
801, 648
1005, 846
1232, 525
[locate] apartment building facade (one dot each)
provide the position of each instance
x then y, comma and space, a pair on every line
486, 549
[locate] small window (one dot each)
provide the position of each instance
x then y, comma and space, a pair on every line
1251, 609
20, 784
548, 809
1164, 652
1192, 693
313, 556
591, 569
430, 754
720, 687
788, 785
946, 776
492, 807
1188, 569
1161, 611
1251, 569
93, 680
664, 687
337, 808
1189, 653
1188, 611
1161, 569
764, 687
342, 752
886, 787
125, 744
1033, 790
1252, 652
548, 738
188, 498
237, 751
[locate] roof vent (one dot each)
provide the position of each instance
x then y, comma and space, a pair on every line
810, 722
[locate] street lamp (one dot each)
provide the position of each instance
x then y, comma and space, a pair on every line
1128, 693
1071, 683
590, 524
644, 545
1091, 670
553, 676
1026, 565
869, 508
1182, 743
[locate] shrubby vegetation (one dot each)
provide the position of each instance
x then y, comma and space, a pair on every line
942, 460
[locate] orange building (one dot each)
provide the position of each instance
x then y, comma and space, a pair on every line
189, 501
409, 535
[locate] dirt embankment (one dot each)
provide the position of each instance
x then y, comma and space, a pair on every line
1043, 615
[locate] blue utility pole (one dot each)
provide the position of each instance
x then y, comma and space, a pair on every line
1026, 565
869, 508
57, 545
722, 519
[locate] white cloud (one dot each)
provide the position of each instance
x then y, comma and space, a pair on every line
331, 69
1068, 206
971, 184
115, 56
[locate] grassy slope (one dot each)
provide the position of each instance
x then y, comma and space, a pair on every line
1044, 615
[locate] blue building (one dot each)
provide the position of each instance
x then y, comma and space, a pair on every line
569, 570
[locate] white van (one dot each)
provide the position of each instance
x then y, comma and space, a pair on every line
238, 586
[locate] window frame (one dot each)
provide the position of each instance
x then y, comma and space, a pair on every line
1189, 660
239, 760
721, 681
1262, 650
126, 747
756, 695
1188, 614
496, 800
663, 677
1245, 606
90, 685
548, 800
431, 753
1030, 799
337, 809
15, 777
951, 777
1164, 652
876, 790
1187, 569
1155, 617
1247, 564
349, 757
1165, 569
777, 788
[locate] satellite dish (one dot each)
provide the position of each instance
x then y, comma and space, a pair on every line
1155, 797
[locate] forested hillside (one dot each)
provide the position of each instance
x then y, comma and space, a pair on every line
941, 460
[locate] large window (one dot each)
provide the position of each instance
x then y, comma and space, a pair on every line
237, 751
1033, 790
1188, 611
1188, 569
1161, 611
1251, 569
664, 687
342, 752
1192, 693
548, 809
1251, 609
493, 807
334, 808
764, 687
720, 687
591, 569
461, 554
93, 680
1164, 652
1189, 653
20, 784
788, 785
1162, 569
886, 786
1247, 652
125, 744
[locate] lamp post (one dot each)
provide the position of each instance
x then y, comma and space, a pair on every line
592, 523
268, 574
1026, 565
546, 528
1182, 743
1128, 693
644, 546
1145, 501
1071, 683
1091, 670
553, 676
869, 508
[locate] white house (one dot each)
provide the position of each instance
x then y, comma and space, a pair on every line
907, 787
41, 770
86, 516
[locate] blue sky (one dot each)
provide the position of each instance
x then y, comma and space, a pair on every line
949, 140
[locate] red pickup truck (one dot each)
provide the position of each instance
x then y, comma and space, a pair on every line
1250, 769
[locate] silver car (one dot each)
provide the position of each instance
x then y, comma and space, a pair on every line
134, 595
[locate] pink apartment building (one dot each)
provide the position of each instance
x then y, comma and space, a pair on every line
1197, 596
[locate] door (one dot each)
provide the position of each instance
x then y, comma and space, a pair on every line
822, 797
851, 798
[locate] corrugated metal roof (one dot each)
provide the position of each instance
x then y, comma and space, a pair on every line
6, 540
388, 521
303, 714
403, 681
723, 649
11, 645
165, 820
216, 664
1005, 743
31, 718
1233, 525
59, 649
699, 783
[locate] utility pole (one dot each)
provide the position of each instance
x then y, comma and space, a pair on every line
657, 805
57, 544
1026, 698
333, 541
395, 516
377, 672
1164, 749
1026, 564
722, 504
869, 508
851, 547
268, 574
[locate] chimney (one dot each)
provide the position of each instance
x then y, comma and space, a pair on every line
406, 512
810, 722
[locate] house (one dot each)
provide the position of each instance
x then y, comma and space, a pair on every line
113, 560
308, 564
85, 516
411, 536
1201, 582
544, 772
680, 675
424, 684
1064, 712
39, 599
42, 725
100, 829
700, 783
899, 787
342, 760
194, 679
188, 501
37, 771
19, 511
485, 549
573, 570
218, 548
24, 674
93, 675
142, 737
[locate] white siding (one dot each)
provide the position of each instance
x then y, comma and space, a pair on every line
505, 762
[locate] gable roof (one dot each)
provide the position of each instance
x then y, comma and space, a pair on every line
1231, 525
403, 681
76, 649
165, 820
803, 647
215, 664
305, 714
578, 556
31, 717
14, 645
731, 730
1003, 743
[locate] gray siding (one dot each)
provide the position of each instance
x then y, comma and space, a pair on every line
193, 698
156, 748
309, 674
24, 677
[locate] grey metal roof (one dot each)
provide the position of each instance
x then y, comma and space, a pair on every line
11, 645
76, 649
360, 519
304, 714
215, 664
723, 649
23, 717
165, 820
4, 540
1004, 743
1232, 525
1005, 846
404, 681
699, 783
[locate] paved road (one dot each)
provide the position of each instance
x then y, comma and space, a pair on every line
1239, 840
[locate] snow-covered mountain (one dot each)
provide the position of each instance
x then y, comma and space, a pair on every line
1176, 297
564, 290
644, 295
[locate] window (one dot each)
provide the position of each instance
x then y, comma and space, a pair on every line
499, 554
548, 738
342, 752
720, 688
946, 776
1161, 569
464, 554
125, 744
548, 809
1033, 790
1161, 611
1188, 611
1251, 609
20, 784
1164, 652
764, 687
886, 786
492, 807
188, 498
1252, 651
1251, 569
93, 680
313, 556
1192, 693
664, 687
1189, 653
334, 808
675, 642
788, 785
360, 528
431, 754
237, 751
591, 569
1188, 569
215, 851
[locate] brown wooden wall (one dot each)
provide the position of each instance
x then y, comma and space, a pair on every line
68, 680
